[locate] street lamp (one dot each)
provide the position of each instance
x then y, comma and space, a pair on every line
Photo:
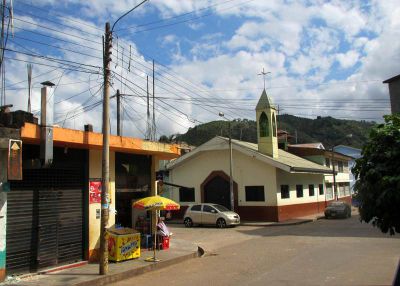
232, 198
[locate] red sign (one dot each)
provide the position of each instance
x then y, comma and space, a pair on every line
15, 160
95, 191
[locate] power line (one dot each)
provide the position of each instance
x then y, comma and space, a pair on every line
58, 23
41, 64
60, 48
60, 15
58, 39
190, 19
176, 83
58, 31
59, 61
173, 17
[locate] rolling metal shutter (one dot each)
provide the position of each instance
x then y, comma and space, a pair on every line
45, 218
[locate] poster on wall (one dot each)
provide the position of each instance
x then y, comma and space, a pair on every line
95, 191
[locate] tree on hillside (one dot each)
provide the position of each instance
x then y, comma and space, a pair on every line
378, 174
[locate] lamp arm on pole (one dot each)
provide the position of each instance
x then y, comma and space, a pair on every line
112, 29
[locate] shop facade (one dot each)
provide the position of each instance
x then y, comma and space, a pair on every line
52, 216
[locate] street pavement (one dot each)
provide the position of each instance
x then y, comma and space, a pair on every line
324, 252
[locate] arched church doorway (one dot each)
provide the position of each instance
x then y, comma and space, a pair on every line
216, 191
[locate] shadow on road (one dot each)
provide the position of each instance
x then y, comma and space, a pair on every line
323, 228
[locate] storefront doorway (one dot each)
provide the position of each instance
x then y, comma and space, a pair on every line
133, 181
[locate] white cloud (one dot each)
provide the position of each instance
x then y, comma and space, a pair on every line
348, 59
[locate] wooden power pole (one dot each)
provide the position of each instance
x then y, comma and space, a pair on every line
106, 153
118, 113
106, 143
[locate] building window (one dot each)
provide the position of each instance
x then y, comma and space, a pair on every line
255, 193
327, 162
299, 191
285, 194
186, 194
341, 190
264, 129
321, 189
273, 125
347, 189
340, 166
329, 191
311, 190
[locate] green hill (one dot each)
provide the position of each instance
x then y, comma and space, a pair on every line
328, 130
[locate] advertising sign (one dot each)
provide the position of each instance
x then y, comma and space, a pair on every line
94, 191
15, 160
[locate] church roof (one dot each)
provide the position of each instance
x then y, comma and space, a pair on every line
285, 161
264, 101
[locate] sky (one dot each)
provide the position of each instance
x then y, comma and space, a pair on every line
321, 58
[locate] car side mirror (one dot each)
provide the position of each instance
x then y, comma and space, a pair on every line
213, 211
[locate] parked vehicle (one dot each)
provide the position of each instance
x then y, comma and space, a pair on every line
210, 214
338, 209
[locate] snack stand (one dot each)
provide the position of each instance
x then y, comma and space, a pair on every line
156, 203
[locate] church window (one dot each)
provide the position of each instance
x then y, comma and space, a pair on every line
264, 130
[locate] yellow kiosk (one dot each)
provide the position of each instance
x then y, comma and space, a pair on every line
123, 244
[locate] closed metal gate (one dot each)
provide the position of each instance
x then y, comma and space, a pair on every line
45, 218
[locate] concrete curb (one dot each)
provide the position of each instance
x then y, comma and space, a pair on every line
112, 278
274, 224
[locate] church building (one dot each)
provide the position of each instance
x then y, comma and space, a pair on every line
269, 184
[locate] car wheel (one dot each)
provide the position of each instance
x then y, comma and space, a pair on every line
188, 222
221, 223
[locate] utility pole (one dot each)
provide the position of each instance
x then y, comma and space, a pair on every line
231, 193
148, 123
153, 129
334, 176
106, 152
29, 67
118, 113
232, 197
107, 45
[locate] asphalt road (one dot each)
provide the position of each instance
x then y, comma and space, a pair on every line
325, 252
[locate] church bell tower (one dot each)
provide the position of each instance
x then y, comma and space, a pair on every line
266, 126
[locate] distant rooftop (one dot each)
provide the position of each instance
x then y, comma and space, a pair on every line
397, 77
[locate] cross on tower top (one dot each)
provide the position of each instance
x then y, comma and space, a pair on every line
264, 73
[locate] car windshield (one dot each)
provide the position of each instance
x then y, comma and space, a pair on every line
221, 208
336, 204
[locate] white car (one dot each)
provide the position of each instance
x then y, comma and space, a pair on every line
210, 214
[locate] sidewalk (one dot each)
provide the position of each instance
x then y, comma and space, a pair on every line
87, 275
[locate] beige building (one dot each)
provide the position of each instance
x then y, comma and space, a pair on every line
269, 183
337, 186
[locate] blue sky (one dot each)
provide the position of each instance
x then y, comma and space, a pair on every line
325, 58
